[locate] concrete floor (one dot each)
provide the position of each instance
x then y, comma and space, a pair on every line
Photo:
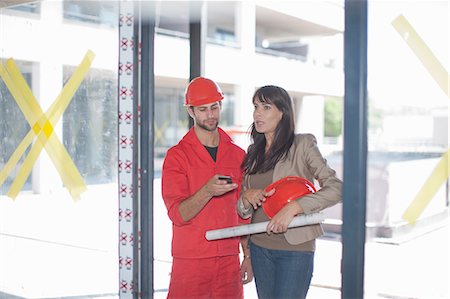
53, 248
417, 268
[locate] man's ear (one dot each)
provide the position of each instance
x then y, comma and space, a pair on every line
190, 111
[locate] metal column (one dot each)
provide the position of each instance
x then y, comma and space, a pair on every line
355, 149
144, 145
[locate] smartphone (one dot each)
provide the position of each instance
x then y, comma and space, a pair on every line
226, 178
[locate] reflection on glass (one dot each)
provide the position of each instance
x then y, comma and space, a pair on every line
94, 12
34, 8
90, 126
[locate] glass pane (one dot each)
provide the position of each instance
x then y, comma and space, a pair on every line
300, 32
102, 13
28, 8
57, 238
221, 22
408, 136
90, 126
172, 18
12, 135
310, 69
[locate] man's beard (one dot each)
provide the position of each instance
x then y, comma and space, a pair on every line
208, 128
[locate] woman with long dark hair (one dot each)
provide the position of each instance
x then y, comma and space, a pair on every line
282, 259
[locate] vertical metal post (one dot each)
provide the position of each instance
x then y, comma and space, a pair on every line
197, 41
355, 149
143, 232
147, 146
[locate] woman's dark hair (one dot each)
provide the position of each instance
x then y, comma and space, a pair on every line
256, 160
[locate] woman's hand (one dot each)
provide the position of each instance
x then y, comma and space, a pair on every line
279, 223
255, 197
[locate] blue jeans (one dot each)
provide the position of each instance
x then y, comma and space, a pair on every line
281, 274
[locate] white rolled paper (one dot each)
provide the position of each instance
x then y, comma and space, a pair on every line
254, 228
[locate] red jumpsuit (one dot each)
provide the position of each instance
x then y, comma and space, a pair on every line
201, 268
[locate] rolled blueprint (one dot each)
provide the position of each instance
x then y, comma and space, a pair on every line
260, 227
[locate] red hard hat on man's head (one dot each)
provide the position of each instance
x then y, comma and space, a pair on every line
201, 91
286, 190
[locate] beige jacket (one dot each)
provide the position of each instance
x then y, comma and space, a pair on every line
305, 160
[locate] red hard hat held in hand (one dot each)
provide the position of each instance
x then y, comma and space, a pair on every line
286, 190
201, 91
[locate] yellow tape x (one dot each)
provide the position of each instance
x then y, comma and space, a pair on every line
42, 127
441, 172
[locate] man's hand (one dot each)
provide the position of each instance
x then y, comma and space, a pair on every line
246, 270
217, 187
191, 206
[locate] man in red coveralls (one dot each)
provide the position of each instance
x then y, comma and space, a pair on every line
198, 201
